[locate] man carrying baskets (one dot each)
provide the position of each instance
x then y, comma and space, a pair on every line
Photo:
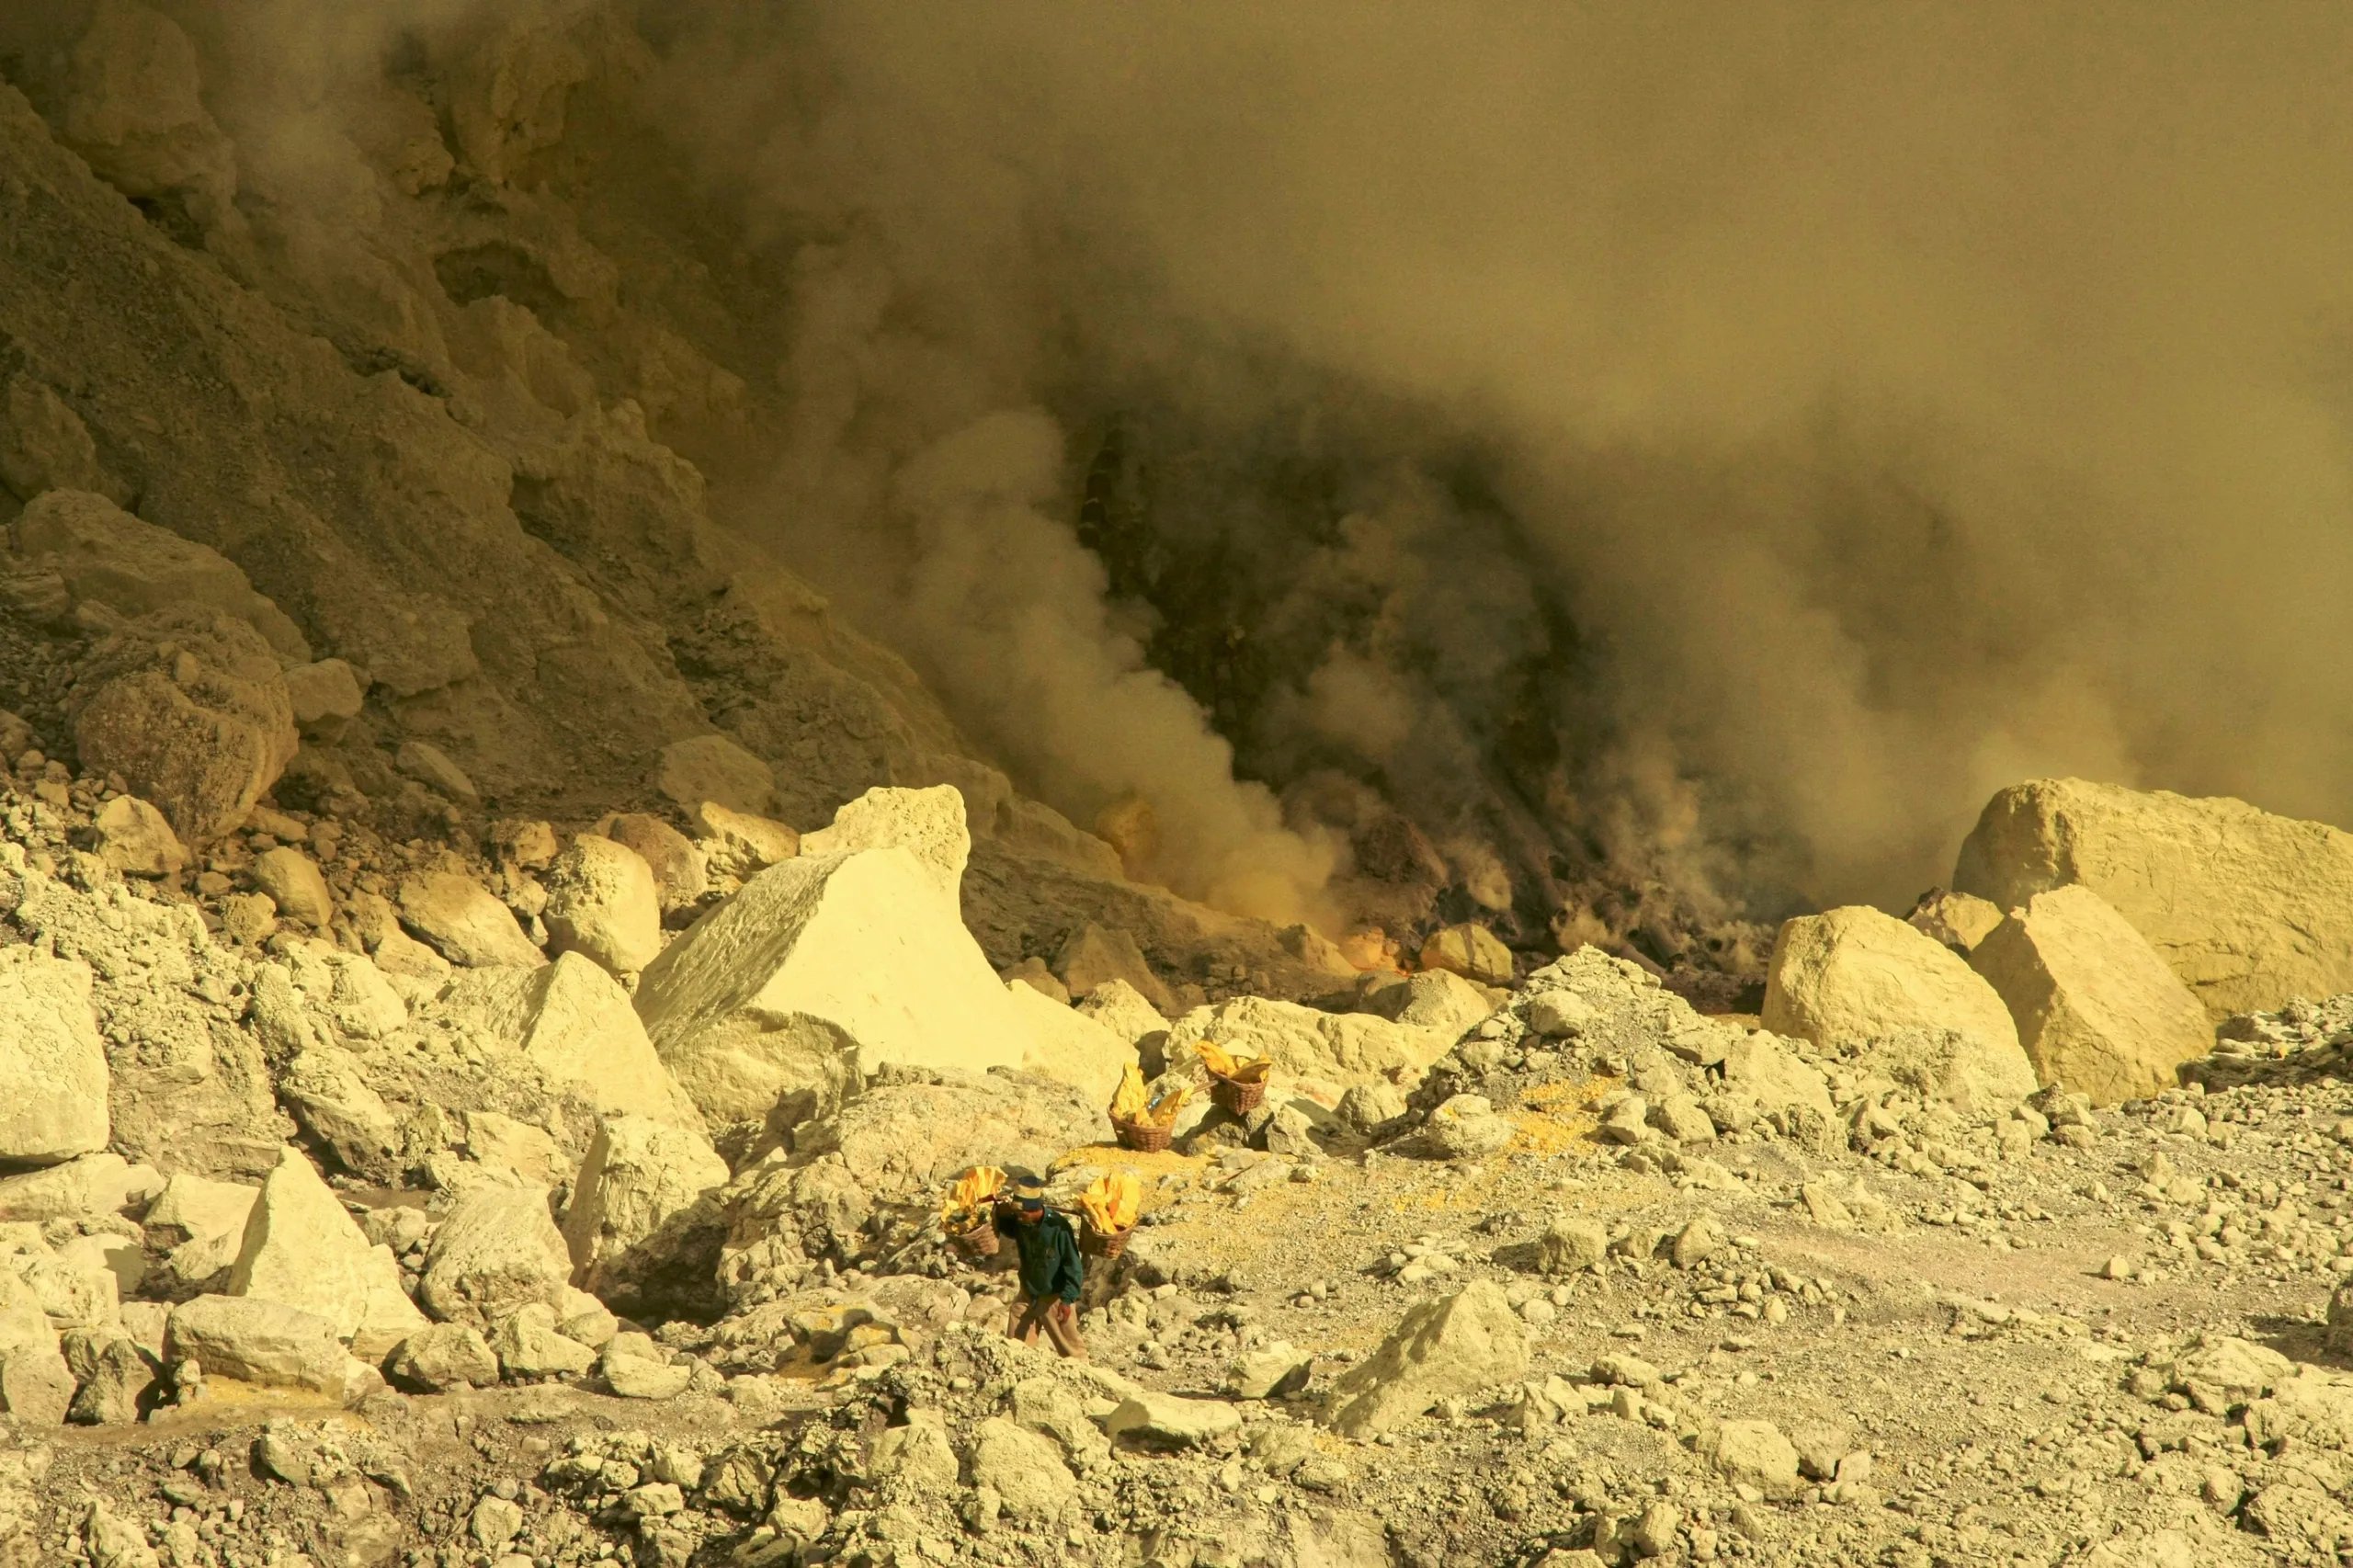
1052, 1272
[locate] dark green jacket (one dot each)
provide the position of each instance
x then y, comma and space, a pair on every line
1050, 1260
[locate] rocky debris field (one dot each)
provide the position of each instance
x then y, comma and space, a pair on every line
551, 1198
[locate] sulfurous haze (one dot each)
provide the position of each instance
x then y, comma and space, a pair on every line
1678, 453
1839, 413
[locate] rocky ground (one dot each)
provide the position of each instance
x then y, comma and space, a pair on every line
1614, 1281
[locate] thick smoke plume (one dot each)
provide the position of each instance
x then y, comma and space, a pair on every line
1716, 445
1899, 401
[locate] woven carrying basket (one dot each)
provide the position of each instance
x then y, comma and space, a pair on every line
979, 1242
1237, 1097
1102, 1244
1142, 1136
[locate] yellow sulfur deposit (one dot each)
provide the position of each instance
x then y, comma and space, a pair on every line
1238, 1070
1132, 1105
968, 1197
1113, 1201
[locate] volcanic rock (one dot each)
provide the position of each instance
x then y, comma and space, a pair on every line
294, 882
602, 902
679, 877
132, 109
714, 768
1094, 956
189, 707
325, 698
1454, 1345
927, 824
822, 969
1069, 1047
1469, 950
301, 1249
497, 1251
465, 922
2098, 1009
44, 446
575, 1023
637, 1173
739, 844
1853, 975
108, 557
258, 1341
441, 1356
1959, 920
2249, 909
137, 840
431, 767
51, 1059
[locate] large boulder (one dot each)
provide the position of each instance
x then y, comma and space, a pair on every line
301, 1249
256, 1341
679, 876
108, 557
738, 844
927, 824
44, 446
1069, 1047
918, 1132
137, 840
51, 1059
294, 883
821, 970
496, 1251
1125, 1011
602, 902
2097, 1008
2249, 909
1853, 976
714, 768
133, 107
638, 1173
35, 1386
190, 706
464, 922
1959, 920
1094, 956
1341, 1049
1441, 1350
576, 1024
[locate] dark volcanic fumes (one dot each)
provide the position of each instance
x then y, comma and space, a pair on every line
1619, 471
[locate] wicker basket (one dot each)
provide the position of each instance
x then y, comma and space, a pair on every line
1142, 1137
1237, 1096
1102, 1244
981, 1241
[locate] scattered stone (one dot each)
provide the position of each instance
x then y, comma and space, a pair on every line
603, 903
1441, 1350
531, 1343
715, 770
1094, 956
1033, 973
1959, 920
465, 922
1572, 1245
137, 840
295, 886
1464, 1126
1469, 950
431, 767
51, 1059
632, 1368
1024, 1470
739, 844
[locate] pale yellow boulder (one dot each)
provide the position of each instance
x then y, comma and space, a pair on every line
1855, 976
822, 969
1069, 1047
1469, 950
602, 902
575, 1023
2249, 909
301, 1249
927, 824
2098, 1009
1959, 920
464, 922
